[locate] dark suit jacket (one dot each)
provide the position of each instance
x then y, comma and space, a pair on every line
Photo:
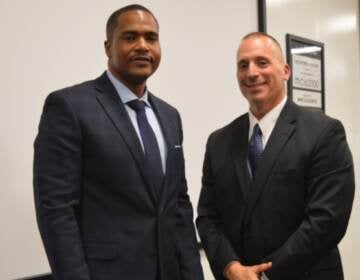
295, 211
98, 213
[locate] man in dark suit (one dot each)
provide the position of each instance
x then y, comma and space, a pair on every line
110, 189
278, 182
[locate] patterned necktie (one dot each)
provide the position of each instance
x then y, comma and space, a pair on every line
151, 146
255, 150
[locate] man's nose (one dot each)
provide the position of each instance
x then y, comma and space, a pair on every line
142, 44
253, 70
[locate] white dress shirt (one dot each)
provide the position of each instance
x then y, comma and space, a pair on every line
267, 122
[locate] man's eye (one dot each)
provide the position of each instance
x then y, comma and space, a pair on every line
263, 63
152, 38
242, 66
129, 38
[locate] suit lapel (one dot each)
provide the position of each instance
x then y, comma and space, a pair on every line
165, 121
239, 148
281, 133
115, 109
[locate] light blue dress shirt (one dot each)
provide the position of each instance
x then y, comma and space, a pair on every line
127, 95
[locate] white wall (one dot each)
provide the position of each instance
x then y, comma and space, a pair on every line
335, 23
48, 44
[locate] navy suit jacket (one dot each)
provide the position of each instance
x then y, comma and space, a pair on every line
295, 211
98, 213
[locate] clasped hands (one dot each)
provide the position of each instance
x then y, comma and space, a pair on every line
237, 271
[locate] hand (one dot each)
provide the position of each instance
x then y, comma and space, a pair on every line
237, 271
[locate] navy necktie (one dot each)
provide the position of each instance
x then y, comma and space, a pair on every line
151, 146
255, 150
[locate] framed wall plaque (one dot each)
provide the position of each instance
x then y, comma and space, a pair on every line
306, 84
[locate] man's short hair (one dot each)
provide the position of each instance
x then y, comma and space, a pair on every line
112, 21
263, 34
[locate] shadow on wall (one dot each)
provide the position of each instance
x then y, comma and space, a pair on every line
46, 276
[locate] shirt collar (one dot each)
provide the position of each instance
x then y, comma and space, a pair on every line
126, 95
268, 121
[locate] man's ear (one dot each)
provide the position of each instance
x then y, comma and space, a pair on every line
107, 46
287, 71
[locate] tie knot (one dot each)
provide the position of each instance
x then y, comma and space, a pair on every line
257, 130
137, 105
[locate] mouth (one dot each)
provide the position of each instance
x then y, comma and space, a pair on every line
141, 59
255, 85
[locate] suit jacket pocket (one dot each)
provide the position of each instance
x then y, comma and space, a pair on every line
101, 251
175, 160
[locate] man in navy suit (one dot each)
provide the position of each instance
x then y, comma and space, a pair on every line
278, 182
110, 189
